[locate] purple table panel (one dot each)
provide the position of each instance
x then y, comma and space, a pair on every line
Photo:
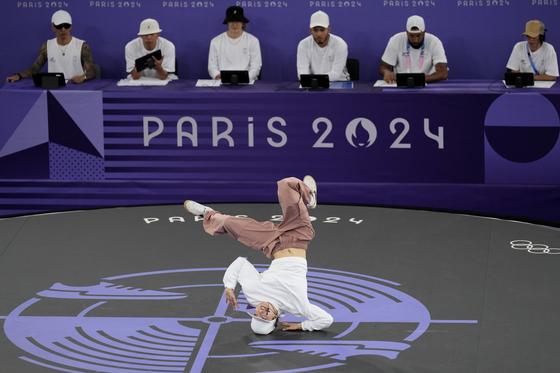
459, 145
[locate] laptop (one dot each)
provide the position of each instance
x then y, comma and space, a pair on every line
411, 80
234, 77
519, 80
314, 81
49, 80
146, 61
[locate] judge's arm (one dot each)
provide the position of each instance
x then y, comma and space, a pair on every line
255, 62
87, 64
130, 58
550, 69
213, 64
545, 77
160, 71
515, 68
386, 73
35, 68
440, 61
302, 60
542, 77
339, 65
166, 65
136, 74
440, 74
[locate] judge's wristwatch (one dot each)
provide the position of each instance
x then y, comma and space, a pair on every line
85, 78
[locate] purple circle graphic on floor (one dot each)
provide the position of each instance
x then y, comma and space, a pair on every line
168, 321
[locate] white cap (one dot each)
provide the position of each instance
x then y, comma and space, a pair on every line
319, 19
415, 21
61, 16
149, 26
261, 326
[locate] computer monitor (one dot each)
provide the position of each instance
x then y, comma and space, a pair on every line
234, 77
146, 62
314, 81
49, 80
411, 80
519, 80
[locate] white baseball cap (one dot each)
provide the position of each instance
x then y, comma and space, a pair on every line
261, 326
319, 19
415, 21
149, 26
61, 16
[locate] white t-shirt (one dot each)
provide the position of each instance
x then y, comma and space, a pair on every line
65, 59
283, 284
331, 60
396, 52
544, 58
135, 49
243, 53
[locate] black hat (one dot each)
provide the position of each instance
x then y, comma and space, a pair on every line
235, 14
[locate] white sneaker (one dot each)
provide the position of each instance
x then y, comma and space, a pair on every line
310, 182
196, 208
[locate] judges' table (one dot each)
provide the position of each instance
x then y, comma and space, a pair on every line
459, 145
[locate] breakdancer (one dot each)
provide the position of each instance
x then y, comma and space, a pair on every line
283, 287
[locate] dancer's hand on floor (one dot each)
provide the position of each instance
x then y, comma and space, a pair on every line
230, 298
290, 326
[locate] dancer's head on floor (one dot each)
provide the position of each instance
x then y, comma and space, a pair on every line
265, 318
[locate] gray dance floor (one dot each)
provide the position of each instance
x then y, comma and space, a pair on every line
140, 290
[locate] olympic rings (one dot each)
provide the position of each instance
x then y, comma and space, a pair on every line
537, 248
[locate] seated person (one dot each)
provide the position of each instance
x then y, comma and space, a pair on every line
414, 51
235, 49
534, 55
65, 54
322, 52
148, 42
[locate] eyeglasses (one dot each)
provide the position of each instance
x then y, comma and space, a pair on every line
63, 25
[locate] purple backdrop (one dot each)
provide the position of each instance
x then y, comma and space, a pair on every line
478, 35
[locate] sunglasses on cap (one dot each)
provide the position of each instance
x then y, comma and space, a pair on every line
65, 25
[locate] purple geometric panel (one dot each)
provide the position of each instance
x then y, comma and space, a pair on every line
19, 133
31, 163
521, 143
522, 110
70, 164
64, 131
86, 109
